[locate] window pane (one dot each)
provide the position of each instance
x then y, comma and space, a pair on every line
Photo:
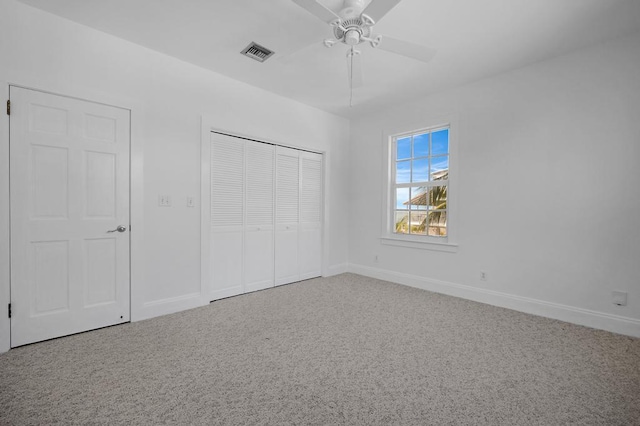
402, 222
403, 171
438, 197
422, 165
421, 145
419, 223
439, 167
440, 142
402, 198
403, 150
419, 198
420, 170
437, 223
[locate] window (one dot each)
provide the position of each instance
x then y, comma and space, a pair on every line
419, 184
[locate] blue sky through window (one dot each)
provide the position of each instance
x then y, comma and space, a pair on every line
420, 170
403, 171
440, 142
439, 163
421, 156
421, 145
404, 149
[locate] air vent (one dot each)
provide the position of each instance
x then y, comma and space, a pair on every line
257, 52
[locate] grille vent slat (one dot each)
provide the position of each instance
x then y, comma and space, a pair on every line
257, 52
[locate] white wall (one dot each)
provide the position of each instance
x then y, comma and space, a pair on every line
167, 98
548, 189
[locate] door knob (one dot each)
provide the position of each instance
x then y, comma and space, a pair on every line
120, 228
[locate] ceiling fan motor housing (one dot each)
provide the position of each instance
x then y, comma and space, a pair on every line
352, 31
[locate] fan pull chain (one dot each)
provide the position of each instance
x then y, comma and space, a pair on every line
351, 79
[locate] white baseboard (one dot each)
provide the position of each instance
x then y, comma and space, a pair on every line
171, 305
338, 269
259, 285
593, 319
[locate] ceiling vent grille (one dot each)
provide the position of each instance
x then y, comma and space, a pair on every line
257, 52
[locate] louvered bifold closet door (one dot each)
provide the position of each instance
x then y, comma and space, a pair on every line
259, 206
227, 215
310, 230
287, 215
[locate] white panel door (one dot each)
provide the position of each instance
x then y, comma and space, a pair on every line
227, 216
69, 186
310, 233
259, 205
287, 215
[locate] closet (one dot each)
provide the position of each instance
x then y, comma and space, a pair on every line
265, 215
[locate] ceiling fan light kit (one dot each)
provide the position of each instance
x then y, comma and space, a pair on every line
351, 37
353, 25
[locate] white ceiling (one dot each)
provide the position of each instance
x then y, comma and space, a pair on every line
474, 39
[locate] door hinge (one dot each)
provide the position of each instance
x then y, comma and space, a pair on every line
8, 107
9, 310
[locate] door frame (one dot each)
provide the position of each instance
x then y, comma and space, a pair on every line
136, 198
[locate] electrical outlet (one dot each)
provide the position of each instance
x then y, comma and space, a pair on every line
164, 200
483, 276
619, 298
191, 202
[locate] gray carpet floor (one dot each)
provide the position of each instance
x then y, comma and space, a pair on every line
340, 350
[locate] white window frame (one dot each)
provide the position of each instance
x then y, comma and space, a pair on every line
389, 237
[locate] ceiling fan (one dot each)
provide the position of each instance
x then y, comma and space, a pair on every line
353, 25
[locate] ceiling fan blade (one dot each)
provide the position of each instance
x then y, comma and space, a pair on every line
319, 10
378, 8
406, 48
354, 65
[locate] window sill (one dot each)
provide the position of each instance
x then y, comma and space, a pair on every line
424, 245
